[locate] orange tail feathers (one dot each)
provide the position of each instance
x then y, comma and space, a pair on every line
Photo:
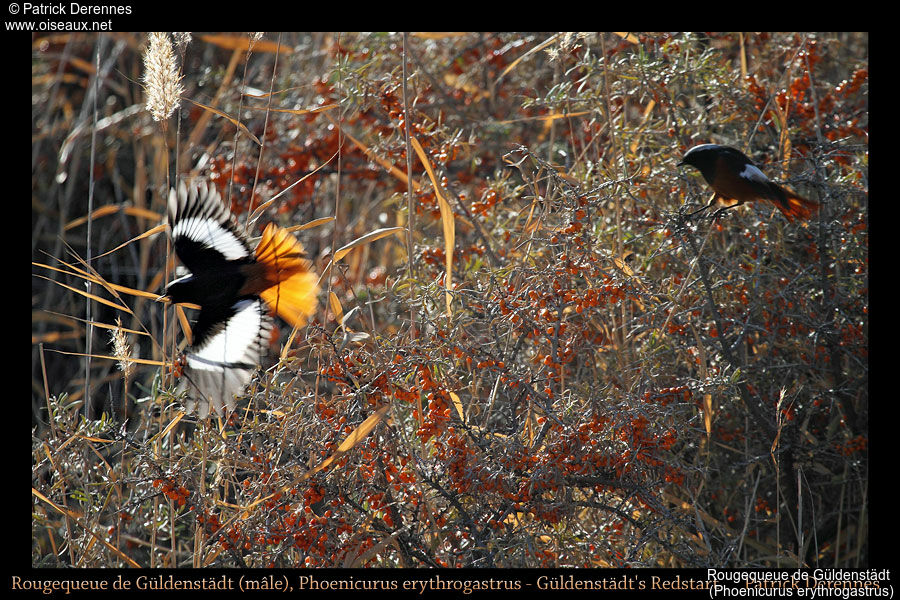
292, 284
795, 205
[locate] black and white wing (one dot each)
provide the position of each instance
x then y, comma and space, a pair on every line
231, 332
223, 361
203, 229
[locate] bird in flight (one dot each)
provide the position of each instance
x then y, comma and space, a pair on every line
236, 287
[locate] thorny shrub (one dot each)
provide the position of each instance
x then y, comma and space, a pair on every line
620, 382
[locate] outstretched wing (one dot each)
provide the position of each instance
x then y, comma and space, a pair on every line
230, 335
203, 230
228, 346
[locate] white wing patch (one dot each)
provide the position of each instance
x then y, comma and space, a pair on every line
224, 365
754, 174
196, 212
235, 343
212, 235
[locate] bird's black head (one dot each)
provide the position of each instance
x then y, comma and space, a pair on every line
181, 290
702, 156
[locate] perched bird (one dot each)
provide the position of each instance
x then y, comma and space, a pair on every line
735, 180
236, 289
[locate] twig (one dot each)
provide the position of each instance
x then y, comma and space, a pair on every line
410, 265
89, 330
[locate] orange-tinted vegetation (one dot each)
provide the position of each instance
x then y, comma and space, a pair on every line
614, 381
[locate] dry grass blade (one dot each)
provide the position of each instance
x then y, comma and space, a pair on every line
365, 239
461, 83
447, 221
360, 560
371, 154
707, 414
311, 224
54, 337
779, 419
531, 52
257, 212
70, 322
84, 128
97, 440
457, 403
94, 277
88, 295
636, 142
265, 95
336, 307
628, 36
150, 232
438, 35
181, 414
143, 361
548, 118
227, 117
245, 43
64, 511
293, 111
785, 152
743, 55
355, 437
111, 209
185, 324
627, 270
98, 280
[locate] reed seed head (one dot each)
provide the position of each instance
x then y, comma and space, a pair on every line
162, 82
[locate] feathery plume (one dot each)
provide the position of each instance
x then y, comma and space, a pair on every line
162, 83
121, 349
